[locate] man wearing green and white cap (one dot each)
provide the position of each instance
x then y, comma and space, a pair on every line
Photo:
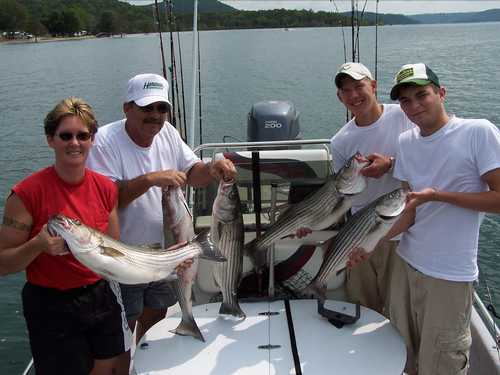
373, 131
452, 165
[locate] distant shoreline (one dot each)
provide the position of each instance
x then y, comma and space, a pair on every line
44, 39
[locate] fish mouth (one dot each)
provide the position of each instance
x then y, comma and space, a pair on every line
396, 205
354, 182
58, 221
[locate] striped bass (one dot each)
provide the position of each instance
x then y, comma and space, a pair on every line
227, 232
178, 227
127, 264
319, 210
364, 229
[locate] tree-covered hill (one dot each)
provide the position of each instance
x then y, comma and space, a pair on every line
70, 17
492, 15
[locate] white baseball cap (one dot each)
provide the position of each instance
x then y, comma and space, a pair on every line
354, 70
413, 74
144, 89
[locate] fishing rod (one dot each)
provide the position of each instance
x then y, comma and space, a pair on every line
376, 41
173, 72
490, 308
199, 93
358, 24
195, 65
181, 70
345, 46
161, 39
342, 28
353, 48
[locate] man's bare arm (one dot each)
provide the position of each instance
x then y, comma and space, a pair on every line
486, 201
201, 174
129, 190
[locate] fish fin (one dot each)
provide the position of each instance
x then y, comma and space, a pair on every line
188, 327
111, 252
209, 250
232, 309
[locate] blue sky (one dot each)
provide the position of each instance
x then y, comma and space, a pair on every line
385, 6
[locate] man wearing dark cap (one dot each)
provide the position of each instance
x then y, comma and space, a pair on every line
144, 153
373, 131
452, 165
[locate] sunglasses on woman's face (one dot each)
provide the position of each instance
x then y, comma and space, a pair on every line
160, 107
81, 136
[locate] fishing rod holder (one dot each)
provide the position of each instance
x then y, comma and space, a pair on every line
337, 318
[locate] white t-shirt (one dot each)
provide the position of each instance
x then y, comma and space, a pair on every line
379, 137
443, 241
115, 155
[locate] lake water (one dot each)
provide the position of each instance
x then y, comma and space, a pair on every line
238, 68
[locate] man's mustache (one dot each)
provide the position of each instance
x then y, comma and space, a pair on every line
153, 121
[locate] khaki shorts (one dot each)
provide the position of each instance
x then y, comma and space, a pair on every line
369, 282
433, 316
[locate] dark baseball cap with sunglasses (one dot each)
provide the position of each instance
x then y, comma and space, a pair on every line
147, 89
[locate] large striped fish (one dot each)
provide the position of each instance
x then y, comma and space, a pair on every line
227, 232
178, 227
319, 210
364, 229
127, 264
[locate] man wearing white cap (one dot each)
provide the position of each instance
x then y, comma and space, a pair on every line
453, 167
373, 131
144, 153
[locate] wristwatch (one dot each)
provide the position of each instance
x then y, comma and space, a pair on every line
392, 159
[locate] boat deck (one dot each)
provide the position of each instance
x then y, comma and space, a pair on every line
238, 347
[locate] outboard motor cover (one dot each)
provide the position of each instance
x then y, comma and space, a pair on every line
273, 121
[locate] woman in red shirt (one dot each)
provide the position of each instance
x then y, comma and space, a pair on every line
75, 319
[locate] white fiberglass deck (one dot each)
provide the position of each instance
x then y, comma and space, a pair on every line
370, 346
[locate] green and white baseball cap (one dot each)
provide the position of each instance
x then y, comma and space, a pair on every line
413, 74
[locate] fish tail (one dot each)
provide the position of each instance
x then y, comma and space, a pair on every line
314, 290
188, 327
233, 309
209, 250
250, 248
258, 258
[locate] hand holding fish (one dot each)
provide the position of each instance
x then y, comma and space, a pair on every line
301, 232
52, 244
223, 169
379, 165
182, 267
170, 177
416, 198
357, 255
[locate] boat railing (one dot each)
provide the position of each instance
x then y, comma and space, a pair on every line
260, 145
487, 318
